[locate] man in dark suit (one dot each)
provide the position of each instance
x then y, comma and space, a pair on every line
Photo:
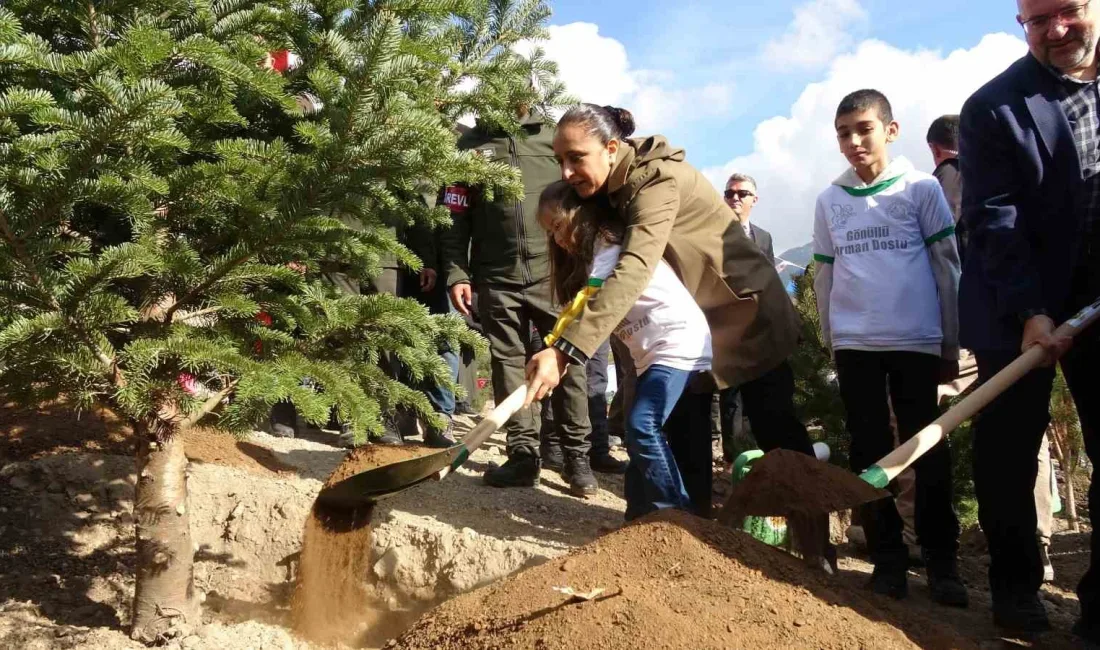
1031, 204
741, 196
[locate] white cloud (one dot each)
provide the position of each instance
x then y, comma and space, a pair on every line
596, 69
820, 30
795, 156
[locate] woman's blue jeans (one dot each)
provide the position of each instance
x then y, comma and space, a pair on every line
652, 479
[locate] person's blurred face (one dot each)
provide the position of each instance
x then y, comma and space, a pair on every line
1060, 33
585, 161
863, 138
741, 197
559, 228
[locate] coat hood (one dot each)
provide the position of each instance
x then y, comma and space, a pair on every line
639, 159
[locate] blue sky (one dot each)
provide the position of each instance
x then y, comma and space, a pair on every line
717, 76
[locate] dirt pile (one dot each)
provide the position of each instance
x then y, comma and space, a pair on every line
670, 581
784, 482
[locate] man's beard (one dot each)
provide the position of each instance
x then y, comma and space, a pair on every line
1069, 58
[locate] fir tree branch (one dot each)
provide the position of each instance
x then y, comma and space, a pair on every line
114, 373
192, 315
209, 282
209, 405
22, 256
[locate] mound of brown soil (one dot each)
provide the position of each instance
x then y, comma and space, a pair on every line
785, 482
671, 581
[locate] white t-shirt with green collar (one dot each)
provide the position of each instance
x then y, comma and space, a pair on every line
884, 295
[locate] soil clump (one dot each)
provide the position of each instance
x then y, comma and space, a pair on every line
783, 482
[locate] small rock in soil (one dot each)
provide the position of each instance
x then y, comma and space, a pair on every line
19, 482
568, 565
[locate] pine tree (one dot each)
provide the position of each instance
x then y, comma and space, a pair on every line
1067, 442
817, 394
172, 194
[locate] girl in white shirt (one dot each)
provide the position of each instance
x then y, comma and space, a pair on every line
665, 331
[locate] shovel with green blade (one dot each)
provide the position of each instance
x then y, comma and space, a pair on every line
786, 484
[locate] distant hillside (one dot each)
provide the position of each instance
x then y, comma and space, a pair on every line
795, 258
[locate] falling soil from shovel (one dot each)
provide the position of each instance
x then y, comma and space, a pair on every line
332, 601
783, 483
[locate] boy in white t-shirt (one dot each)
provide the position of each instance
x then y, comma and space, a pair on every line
665, 331
887, 279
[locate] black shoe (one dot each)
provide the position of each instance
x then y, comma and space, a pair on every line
517, 471
607, 464
944, 582
582, 483
390, 434
891, 580
441, 439
1089, 635
463, 408
1022, 615
552, 457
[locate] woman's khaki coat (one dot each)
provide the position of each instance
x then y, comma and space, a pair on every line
672, 211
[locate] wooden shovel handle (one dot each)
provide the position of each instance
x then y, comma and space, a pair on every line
484, 429
905, 455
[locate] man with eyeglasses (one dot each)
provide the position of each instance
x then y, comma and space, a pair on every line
1030, 160
741, 196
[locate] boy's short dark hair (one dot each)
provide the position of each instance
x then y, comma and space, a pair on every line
944, 132
865, 100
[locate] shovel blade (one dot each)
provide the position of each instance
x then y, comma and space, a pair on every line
386, 480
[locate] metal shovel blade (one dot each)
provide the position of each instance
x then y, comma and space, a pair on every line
385, 480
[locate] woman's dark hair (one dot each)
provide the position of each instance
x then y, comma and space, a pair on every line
605, 122
592, 219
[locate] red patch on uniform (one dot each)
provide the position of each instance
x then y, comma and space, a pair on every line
456, 198
280, 60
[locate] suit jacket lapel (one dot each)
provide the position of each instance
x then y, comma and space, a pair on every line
1041, 97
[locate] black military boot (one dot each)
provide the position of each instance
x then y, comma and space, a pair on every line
582, 483
521, 470
943, 580
607, 464
552, 457
441, 439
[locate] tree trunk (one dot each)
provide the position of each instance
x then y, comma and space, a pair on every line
164, 604
1067, 475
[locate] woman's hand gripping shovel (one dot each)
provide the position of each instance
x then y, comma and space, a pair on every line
379, 482
789, 484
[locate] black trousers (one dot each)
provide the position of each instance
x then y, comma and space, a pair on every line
688, 433
507, 314
769, 405
912, 379
596, 368
1007, 435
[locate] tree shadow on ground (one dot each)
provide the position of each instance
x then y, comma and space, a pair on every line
67, 546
